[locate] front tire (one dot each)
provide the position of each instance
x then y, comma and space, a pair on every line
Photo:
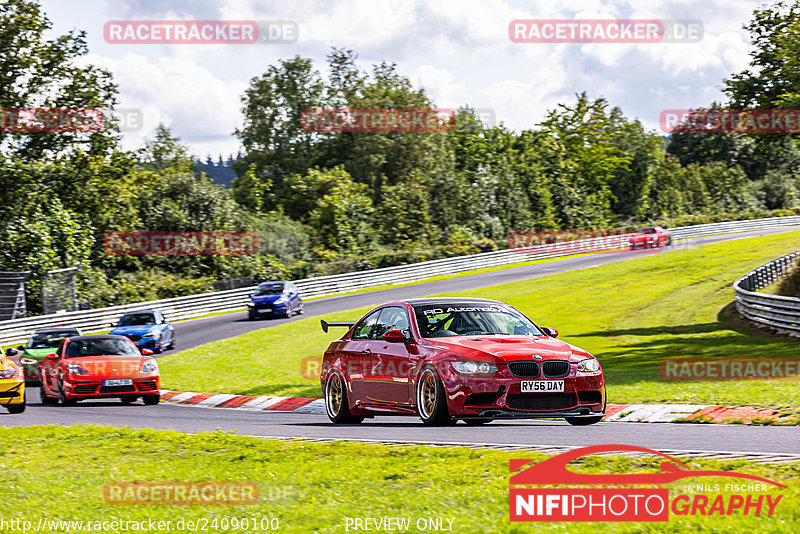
171, 342
16, 408
45, 399
584, 421
128, 400
151, 400
62, 396
336, 404
431, 399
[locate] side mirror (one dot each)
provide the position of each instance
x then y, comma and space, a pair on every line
394, 336
113, 325
147, 352
552, 332
21, 348
52, 356
11, 352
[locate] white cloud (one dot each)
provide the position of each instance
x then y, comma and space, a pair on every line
198, 106
458, 50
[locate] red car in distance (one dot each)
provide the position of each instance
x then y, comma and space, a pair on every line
446, 359
96, 367
651, 237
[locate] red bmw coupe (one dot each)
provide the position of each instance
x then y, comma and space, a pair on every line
446, 359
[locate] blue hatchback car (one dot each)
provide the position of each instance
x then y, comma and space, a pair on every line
274, 299
148, 329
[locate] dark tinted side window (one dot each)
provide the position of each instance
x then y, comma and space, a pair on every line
363, 330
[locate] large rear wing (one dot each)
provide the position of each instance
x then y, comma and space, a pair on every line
326, 324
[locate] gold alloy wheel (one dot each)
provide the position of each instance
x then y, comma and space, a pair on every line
334, 395
427, 394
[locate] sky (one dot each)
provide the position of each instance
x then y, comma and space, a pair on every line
459, 51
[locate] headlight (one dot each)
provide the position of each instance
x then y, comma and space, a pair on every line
150, 366
280, 300
8, 373
474, 368
148, 334
28, 361
588, 366
76, 369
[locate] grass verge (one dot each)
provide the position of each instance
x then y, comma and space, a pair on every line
630, 314
315, 487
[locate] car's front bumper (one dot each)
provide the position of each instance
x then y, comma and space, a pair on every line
265, 310
94, 389
31, 371
143, 342
500, 394
12, 391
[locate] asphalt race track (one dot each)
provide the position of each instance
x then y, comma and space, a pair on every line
725, 438
199, 331
728, 438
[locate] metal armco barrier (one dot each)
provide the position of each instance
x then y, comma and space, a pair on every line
775, 311
18, 330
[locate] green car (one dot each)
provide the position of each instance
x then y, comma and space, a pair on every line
42, 342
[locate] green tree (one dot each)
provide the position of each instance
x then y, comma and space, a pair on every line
165, 151
36, 72
402, 217
342, 219
275, 142
584, 162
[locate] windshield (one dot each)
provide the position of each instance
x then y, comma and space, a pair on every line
470, 319
647, 231
137, 319
49, 340
269, 289
105, 346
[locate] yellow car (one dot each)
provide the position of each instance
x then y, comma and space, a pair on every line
12, 383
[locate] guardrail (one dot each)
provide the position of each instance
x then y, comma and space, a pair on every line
775, 311
17, 330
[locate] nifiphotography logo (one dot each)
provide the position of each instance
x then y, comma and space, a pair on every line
633, 497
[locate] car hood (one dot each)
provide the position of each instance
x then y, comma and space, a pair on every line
509, 348
6, 364
265, 299
110, 366
38, 353
137, 330
641, 237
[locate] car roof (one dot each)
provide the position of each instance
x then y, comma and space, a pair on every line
138, 312
273, 282
97, 336
450, 300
